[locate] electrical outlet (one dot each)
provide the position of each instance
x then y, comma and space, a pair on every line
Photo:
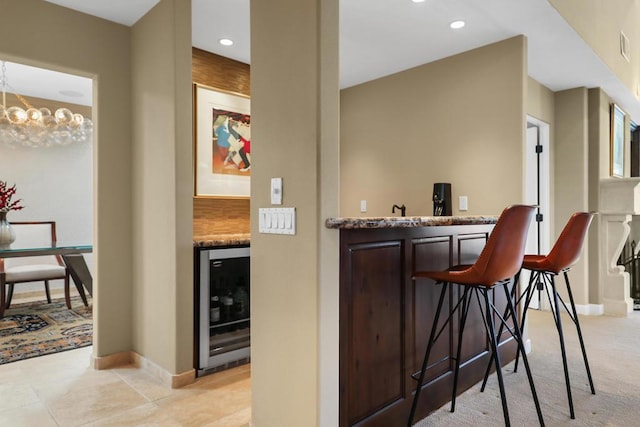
363, 205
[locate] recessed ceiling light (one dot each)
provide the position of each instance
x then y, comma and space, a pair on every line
418, 1
225, 42
457, 24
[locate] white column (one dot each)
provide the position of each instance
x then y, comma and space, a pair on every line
619, 200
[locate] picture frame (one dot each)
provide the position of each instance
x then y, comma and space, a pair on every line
617, 142
222, 141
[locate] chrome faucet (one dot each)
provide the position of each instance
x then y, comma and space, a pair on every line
402, 209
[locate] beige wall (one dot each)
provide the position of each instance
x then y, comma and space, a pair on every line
599, 23
294, 105
540, 101
41, 34
162, 208
599, 130
459, 120
571, 169
599, 137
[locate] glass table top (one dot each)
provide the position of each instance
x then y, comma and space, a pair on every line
17, 250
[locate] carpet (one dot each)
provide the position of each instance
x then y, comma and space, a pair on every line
613, 345
37, 328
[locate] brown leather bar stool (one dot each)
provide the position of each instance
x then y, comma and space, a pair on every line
498, 263
564, 254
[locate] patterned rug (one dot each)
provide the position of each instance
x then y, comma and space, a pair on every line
37, 328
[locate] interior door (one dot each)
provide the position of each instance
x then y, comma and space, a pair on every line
537, 191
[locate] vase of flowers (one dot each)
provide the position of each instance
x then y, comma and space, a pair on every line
7, 235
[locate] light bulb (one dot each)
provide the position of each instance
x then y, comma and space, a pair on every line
64, 115
34, 115
16, 115
77, 119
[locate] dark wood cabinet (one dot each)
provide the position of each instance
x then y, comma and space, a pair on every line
385, 319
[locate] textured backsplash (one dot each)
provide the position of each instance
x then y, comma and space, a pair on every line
221, 216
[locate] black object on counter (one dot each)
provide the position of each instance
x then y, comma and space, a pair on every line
442, 199
402, 209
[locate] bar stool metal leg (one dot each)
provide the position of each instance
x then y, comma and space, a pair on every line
558, 319
518, 336
527, 296
466, 302
491, 330
516, 333
548, 280
577, 322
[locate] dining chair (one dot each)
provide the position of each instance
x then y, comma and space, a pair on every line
35, 234
499, 261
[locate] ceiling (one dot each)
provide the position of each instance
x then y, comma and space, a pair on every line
381, 37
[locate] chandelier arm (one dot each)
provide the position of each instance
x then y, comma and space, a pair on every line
24, 101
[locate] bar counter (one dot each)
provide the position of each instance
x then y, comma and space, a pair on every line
352, 223
386, 316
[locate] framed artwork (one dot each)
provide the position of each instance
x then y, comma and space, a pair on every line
222, 144
617, 141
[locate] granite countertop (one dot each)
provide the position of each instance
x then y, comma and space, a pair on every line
408, 221
221, 240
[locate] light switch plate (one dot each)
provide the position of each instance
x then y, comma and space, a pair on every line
363, 205
276, 191
277, 220
464, 203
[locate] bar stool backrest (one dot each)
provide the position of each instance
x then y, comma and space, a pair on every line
567, 249
502, 256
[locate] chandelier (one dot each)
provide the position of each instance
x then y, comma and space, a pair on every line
33, 127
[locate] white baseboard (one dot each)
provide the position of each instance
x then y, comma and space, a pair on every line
590, 309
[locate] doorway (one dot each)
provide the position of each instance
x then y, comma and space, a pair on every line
53, 175
537, 192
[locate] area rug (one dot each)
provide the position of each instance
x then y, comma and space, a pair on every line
37, 328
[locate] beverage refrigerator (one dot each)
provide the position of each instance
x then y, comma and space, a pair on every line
222, 321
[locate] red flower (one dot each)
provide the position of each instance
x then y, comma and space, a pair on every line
6, 193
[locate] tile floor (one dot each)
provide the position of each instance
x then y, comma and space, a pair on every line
62, 390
